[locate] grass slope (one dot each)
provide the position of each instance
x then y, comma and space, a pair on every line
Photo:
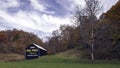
11, 57
72, 53
58, 62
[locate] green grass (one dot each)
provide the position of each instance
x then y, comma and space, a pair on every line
58, 62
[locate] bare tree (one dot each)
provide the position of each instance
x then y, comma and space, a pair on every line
92, 9
56, 40
88, 16
79, 18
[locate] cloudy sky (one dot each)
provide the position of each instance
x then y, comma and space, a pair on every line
41, 15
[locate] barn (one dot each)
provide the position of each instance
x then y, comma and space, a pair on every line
34, 51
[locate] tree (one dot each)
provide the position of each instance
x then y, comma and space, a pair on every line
86, 18
92, 9
56, 40
68, 36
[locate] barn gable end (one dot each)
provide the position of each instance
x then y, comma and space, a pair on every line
34, 51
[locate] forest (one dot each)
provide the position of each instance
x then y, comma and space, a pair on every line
15, 41
103, 33
88, 33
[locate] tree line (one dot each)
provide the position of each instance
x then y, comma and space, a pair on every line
15, 41
90, 34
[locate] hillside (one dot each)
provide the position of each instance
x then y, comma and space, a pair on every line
102, 38
72, 53
75, 53
11, 57
15, 41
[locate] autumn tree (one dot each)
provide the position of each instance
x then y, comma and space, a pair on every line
114, 13
109, 33
3, 37
15, 41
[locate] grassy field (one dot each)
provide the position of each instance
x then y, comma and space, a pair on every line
57, 62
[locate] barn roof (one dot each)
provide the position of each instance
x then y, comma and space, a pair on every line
39, 47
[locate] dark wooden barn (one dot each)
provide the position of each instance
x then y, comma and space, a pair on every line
34, 51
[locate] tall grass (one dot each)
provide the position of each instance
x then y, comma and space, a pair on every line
10, 57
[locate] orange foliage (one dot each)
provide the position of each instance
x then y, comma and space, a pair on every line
16, 41
3, 37
114, 12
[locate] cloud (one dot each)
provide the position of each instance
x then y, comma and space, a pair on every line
65, 4
37, 5
78, 2
8, 3
46, 23
44, 15
107, 4
52, 22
